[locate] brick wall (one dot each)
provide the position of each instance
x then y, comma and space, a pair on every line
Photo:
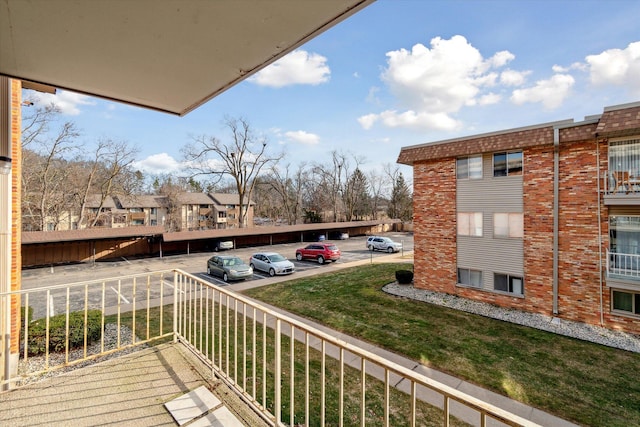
581, 297
434, 219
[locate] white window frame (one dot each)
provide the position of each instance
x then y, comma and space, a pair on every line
635, 305
469, 272
470, 224
511, 281
508, 225
471, 173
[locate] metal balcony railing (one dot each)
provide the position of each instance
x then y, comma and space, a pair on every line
621, 182
312, 379
623, 265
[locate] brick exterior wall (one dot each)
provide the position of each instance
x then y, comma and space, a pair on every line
583, 294
434, 218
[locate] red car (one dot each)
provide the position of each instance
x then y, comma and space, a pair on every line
321, 252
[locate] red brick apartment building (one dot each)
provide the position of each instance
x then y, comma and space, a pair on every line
544, 219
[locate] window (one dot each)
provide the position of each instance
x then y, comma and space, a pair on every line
470, 224
507, 283
625, 156
628, 302
154, 211
507, 164
469, 167
508, 225
624, 244
470, 277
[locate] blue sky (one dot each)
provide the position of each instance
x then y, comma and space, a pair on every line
405, 72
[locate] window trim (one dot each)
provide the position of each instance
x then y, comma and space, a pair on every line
470, 234
635, 308
506, 154
468, 176
509, 278
510, 234
470, 285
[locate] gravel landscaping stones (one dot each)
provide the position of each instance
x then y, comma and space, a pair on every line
556, 325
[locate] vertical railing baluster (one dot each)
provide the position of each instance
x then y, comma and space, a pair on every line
86, 321
445, 410
66, 338
133, 311
244, 347
323, 364
235, 341
47, 333
413, 404
102, 309
363, 391
264, 359
292, 373
254, 356
119, 313
26, 327
227, 336
277, 404
306, 378
341, 391
386, 397
148, 299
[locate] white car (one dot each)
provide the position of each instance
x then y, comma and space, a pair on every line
377, 243
272, 263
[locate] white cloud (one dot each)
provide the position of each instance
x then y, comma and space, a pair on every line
619, 67
303, 137
410, 119
551, 93
68, 102
513, 78
434, 83
298, 67
161, 163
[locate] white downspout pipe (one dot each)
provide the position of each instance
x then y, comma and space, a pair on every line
5, 222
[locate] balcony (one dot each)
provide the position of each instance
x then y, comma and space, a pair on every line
181, 325
621, 188
623, 266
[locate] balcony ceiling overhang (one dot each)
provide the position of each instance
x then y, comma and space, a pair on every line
167, 55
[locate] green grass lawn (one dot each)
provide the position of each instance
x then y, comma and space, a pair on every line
583, 382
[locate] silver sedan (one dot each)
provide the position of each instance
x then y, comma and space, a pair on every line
272, 263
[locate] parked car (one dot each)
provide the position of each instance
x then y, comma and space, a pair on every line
272, 263
377, 243
222, 245
228, 267
322, 252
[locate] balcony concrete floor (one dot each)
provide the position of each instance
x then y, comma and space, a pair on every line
129, 390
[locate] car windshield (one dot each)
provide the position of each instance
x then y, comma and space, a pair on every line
276, 258
233, 261
332, 247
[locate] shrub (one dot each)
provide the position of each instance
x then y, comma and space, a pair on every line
57, 331
404, 277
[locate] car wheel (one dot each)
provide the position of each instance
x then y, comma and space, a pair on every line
272, 272
320, 259
299, 257
208, 271
390, 249
225, 277
370, 247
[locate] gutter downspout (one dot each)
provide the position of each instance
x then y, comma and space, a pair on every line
599, 231
556, 155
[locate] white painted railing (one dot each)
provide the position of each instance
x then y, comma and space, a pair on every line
627, 265
313, 379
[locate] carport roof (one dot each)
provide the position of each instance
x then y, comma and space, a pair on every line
168, 55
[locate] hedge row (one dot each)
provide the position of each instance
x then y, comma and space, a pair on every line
57, 331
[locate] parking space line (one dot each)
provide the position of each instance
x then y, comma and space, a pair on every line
120, 295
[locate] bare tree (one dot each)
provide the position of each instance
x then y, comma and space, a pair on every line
107, 173
377, 183
243, 158
44, 150
288, 188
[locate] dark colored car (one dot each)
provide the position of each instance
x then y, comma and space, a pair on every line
321, 252
228, 267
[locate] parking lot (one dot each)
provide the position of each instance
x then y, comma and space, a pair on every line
352, 249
